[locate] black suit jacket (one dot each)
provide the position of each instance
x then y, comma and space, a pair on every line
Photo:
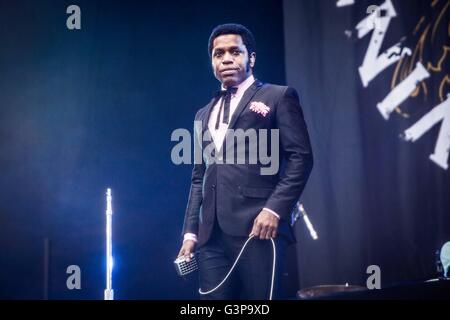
234, 194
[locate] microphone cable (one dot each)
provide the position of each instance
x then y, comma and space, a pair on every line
236, 261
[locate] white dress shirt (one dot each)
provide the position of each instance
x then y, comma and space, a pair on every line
218, 135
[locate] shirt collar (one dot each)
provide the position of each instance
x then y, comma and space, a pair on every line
244, 85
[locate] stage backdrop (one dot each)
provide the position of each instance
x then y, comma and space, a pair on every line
83, 110
373, 78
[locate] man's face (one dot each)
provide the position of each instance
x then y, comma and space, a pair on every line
230, 61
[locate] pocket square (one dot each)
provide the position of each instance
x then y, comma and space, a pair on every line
260, 108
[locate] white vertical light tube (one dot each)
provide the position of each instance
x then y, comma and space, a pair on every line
109, 292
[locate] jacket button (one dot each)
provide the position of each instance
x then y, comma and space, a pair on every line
213, 186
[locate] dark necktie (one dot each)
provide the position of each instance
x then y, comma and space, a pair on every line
225, 105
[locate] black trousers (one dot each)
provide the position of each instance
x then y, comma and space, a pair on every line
252, 276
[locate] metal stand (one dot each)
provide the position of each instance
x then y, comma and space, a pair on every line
109, 292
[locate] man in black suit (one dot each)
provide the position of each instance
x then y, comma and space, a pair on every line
233, 197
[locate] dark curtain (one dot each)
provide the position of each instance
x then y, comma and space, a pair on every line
374, 198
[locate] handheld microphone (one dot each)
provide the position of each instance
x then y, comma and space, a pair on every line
184, 267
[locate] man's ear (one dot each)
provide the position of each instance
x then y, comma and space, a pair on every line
252, 59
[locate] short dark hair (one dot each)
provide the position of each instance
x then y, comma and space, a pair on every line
233, 28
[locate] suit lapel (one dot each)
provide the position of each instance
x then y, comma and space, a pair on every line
248, 95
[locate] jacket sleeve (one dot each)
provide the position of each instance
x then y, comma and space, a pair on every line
192, 214
295, 149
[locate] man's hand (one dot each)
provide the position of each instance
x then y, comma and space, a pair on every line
265, 225
186, 249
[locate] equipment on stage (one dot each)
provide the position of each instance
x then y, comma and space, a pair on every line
327, 291
300, 210
109, 292
423, 290
445, 258
436, 288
